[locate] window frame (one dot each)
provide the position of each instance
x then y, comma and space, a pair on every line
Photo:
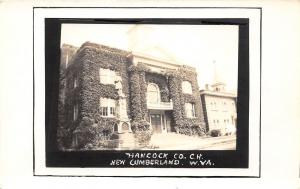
107, 76
107, 107
157, 91
186, 87
190, 110
75, 112
75, 83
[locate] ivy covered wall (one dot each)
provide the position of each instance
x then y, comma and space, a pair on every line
183, 124
170, 86
138, 89
84, 67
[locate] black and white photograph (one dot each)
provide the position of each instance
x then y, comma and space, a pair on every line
147, 92
139, 91
145, 86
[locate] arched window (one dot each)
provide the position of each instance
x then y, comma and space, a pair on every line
187, 87
153, 93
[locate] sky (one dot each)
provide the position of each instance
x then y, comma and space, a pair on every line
211, 49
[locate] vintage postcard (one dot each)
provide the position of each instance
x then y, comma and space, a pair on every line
146, 88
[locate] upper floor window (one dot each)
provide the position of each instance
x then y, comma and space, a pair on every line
215, 106
190, 110
75, 112
107, 107
187, 87
153, 93
75, 83
107, 76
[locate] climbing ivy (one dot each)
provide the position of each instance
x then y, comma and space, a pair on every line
184, 125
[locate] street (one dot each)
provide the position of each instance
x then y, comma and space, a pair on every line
172, 141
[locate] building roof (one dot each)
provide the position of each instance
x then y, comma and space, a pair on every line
225, 94
103, 47
154, 61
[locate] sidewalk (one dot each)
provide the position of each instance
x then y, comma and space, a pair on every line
172, 141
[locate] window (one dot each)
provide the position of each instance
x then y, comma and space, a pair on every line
225, 121
225, 109
215, 105
190, 110
153, 94
75, 112
187, 87
103, 111
107, 107
115, 128
112, 111
75, 83
107, 76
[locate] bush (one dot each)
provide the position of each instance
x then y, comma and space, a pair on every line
114, 136
200, 131
140, 126
110, 144
143, 138
190, 127
142, 132
90, 134
215, 133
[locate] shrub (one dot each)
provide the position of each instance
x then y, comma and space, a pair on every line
114, 136
200, 131
108, 144
143, 138
90, 134
64, 138
215, 133
140, 126
85, 136
190, 127
142, 132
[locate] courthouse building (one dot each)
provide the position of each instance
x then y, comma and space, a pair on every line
114, 88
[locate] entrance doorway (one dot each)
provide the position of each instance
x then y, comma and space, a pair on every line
160, 122
155, 120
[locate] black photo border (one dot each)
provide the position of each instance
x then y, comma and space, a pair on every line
238, 158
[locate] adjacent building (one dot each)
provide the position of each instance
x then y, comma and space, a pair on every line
114, 88
219, 108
